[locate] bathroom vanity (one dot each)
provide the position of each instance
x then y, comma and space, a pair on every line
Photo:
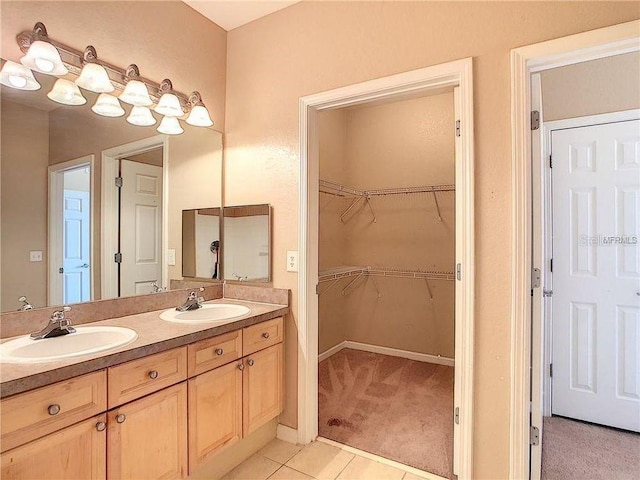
156, 408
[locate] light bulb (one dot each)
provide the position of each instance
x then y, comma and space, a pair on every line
66, 92
136, 93
107, 106
170, 126
95, 78
44, 58
18, 76
141, 116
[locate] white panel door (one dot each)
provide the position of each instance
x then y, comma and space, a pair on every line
596, 274
140, 227
76, 249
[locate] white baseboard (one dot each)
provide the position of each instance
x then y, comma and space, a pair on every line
287, 434
394, 352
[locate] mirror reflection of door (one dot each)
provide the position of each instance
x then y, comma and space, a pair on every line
70, 232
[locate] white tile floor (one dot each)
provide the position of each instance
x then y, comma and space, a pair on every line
285, 461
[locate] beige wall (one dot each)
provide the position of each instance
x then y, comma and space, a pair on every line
400, 144
316, 46
23, 204
610, 85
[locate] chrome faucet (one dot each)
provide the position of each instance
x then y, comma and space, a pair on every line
26, 305
57, 326
193, 302
157, 288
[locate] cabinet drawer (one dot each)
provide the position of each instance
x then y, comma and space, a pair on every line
213, 352
262, 335
36, 413
140, 377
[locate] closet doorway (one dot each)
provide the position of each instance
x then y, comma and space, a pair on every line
386, 277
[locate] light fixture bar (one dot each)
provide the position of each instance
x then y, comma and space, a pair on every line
74, 60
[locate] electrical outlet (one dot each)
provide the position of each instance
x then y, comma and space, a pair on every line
35, 256
292, 261
171, 257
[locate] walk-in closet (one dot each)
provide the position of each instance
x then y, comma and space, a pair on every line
386, 280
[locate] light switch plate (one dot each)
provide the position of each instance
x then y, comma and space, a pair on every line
292, 261
35, 256
171, 257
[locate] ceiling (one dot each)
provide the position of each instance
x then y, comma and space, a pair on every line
230, 14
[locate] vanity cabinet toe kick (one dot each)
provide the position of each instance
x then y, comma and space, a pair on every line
159, 416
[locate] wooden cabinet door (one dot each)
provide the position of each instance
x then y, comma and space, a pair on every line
215, 412
262, 387
76, 452
147, 438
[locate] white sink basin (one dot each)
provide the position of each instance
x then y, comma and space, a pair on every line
84, 341
215, 313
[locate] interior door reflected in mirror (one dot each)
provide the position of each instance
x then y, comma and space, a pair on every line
247, 243
201, 243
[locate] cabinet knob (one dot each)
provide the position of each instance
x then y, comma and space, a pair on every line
121, 417
240, 366
250, 362
265, 335
153, 374
219, 351
100, 426
53, 409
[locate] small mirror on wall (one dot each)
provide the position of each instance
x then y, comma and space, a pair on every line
201, 243
247, 243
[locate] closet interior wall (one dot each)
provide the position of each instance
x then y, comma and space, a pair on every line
388, 145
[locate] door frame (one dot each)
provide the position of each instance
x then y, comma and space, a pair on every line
453, 74
109, 209
525, 61
55, 229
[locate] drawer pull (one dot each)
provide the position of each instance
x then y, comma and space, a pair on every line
265, 335
53, 409
250, 362
101, 426
219, 351
240, 366
153, 374
121, 417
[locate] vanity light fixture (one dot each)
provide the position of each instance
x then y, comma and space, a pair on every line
170, 126
108, 106
94, 77
66, 92
141, 116
42, 56
135, 92
169, 105
18, 76
199, 115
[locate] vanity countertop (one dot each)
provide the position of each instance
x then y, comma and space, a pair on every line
154, 336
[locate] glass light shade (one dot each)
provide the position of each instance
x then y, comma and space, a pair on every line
199, 117
170, 126
141, 116
136, 93
44, 58
169, 106
66, 92
107, 106
95, 79
18, 76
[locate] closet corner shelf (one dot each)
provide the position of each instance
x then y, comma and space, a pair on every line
337, 273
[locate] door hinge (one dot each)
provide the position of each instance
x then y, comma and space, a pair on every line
534, 435
550, 161
551, 265
118, 182
456, 415
535, 278
117, 257
317, 289
547, 293
457, 128
551, 370
535, 120
459, 271
61, 270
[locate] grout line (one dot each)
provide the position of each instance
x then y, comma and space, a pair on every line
345, 467
275, 471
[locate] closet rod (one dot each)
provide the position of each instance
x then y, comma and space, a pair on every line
344, 272
337, 189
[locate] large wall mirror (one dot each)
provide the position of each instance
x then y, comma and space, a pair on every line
91, 206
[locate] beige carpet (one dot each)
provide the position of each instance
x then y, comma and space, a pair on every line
393, 407
573, 450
